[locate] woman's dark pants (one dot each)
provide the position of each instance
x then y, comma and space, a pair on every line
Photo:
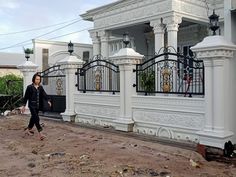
34, 120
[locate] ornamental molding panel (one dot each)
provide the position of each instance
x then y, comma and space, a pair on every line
212, 53
93, 120
171, 119
191, 105
137, 12
99, 99
140, 11
166, 132
107, 112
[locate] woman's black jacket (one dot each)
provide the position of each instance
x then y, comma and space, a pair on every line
35, 97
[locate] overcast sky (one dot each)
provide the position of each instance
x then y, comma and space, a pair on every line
18, 15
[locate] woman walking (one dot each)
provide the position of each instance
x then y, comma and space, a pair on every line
35, 95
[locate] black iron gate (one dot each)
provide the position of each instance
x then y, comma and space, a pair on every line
53, 81
171, 73
99, 76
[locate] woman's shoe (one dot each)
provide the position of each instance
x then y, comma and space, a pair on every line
41, 137
28, 132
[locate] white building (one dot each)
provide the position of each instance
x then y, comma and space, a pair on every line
48, 53
151, 23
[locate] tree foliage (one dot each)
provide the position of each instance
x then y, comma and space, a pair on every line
148, 81
11, 89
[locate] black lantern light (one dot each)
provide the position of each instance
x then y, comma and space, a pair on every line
70, 48
126, 39
214, 22
27, 56
27, 53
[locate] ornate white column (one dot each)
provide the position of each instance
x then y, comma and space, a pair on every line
228, 20
127, 59
104, 36
96, 42
172, 25
216, 53
159, 31
70, 64
28, 69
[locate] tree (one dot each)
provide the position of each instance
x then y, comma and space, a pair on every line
11, 86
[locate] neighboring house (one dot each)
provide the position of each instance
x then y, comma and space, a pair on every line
154, 23
48, 53
9, 63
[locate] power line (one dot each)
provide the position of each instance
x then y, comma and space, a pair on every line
70, 33
17, 44
58, 29
35, 29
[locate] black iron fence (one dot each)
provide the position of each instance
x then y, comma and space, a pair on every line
98, 75
53, 80
171, 73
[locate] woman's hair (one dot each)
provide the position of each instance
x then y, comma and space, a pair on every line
34, 76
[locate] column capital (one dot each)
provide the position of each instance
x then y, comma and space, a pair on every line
158, 26
172, 22
104, 35
94, 36
173, 19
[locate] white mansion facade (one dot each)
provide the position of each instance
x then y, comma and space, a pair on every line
153, 23
103, 97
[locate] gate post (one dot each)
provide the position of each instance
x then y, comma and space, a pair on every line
126, 59
28, 69
70, 64
217, 54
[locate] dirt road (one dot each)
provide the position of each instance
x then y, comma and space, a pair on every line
73, 151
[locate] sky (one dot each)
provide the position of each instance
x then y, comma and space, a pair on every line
24, 15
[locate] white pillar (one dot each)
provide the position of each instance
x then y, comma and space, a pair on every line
159, 32
96, 42
228, 20
216, 52
172, 25
104, 36
126, 58
70, 64
208, 94
28, 69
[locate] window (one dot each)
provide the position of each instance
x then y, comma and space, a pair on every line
45, 56
86, 56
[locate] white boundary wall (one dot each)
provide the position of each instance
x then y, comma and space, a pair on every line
96, 109
169, 117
